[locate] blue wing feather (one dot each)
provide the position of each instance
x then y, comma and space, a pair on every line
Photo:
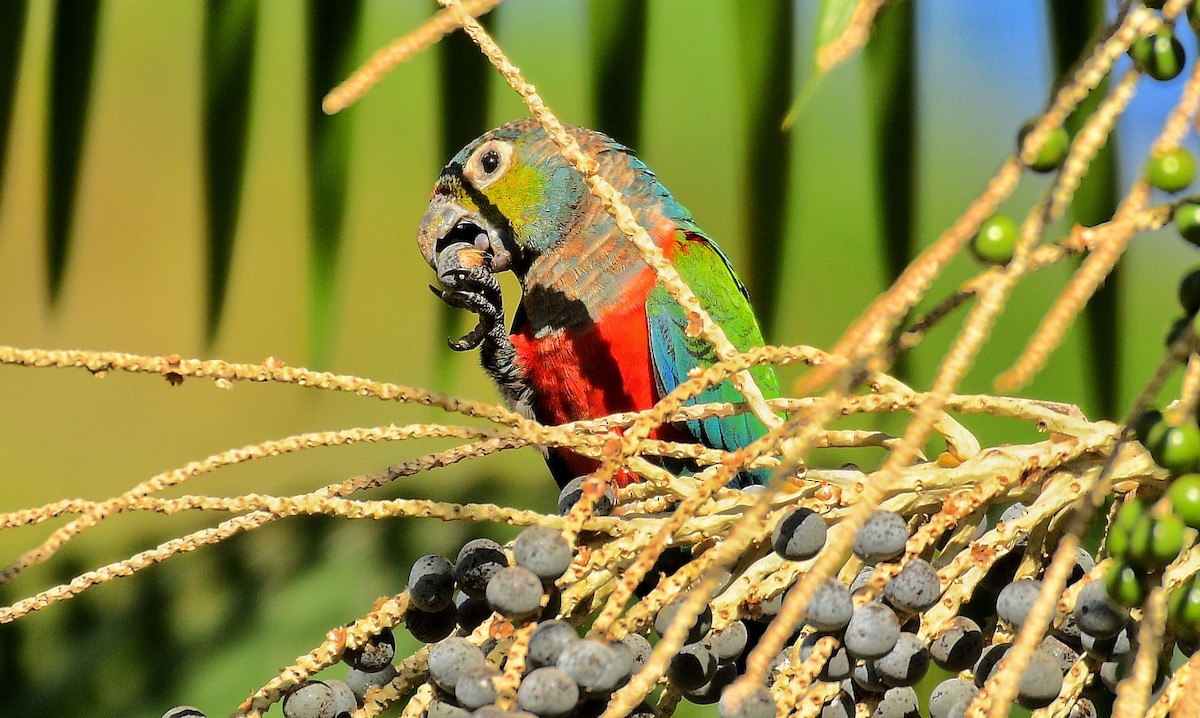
675, 354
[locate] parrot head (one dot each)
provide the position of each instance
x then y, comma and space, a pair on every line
502, 200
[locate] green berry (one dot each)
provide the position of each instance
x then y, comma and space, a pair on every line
1160, 55
1156, 432
1185, 498
1155, 542
1183, 609
1144, 423
1168, 538
996, 240
1140, 539
1175, 448
1054, 148
1178, 329
1171, 170
1124, 584
1187, 221
1189, 292
1118, 534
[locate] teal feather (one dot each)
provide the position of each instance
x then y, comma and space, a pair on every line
707, 270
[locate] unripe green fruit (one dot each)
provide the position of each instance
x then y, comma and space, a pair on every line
1187, 221
1183, 609
1124, 584
1185, 498
1189, 292
1144, 423
1053, 151
1118, 535
1175, 448
1160, 55
996, 240
1155, 542
1178, 329
1171, 170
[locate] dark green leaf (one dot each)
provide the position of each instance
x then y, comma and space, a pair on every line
765, 56
891, 91
1073, 26
12, 27
464, 75
332, 30
618, 36
890, 58
832, 20
72, 56
229, 32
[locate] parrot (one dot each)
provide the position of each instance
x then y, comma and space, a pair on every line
594, 332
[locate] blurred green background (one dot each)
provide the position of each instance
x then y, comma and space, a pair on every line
129, 222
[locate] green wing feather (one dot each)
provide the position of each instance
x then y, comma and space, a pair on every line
674, 354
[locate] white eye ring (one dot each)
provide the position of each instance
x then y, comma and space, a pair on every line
489, 163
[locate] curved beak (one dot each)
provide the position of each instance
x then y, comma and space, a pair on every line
452, 237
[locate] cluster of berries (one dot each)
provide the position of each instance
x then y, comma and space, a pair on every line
880, 652
1146, 536
1159, 55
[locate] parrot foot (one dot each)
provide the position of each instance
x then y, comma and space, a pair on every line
477, 291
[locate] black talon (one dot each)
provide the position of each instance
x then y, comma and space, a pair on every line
468, 341
478, 305
478, 291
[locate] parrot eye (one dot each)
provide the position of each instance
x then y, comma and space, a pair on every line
488, 163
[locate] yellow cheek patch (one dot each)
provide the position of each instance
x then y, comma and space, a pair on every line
464, 199
518, 195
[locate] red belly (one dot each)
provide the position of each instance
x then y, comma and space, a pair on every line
599, 370
590, 373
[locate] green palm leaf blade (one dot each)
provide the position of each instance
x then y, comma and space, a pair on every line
765, 54
833, 18
333, 27
12, 28
463, 86
891, 94
229, 43
890, 58
72, 57
618, 38
1072, 27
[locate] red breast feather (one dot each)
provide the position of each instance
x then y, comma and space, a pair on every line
593, 370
